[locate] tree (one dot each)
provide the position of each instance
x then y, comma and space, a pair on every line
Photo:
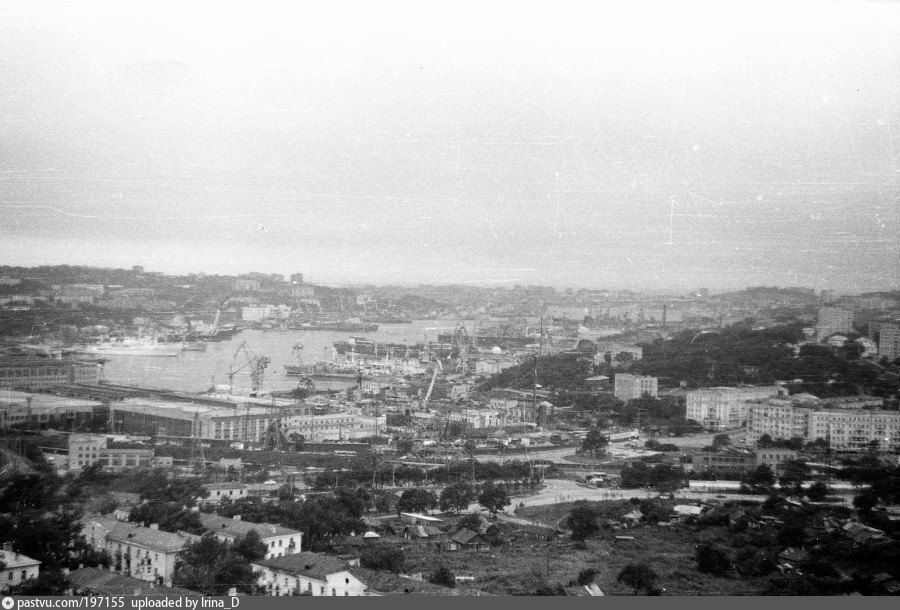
383, 557
865, 501
212, 567
793, 472
416, 501
638, 576
471, 521
443, 576
720, 441
457, 496
712, 559
761, 478
169, 516
494, 498
595, 442
751, 561
587, 576
818, 491
404, 445
583, 522
251, 547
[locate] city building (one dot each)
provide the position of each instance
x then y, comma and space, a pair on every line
16, 568
730, 462
89, 449
889, 341
310, 573
27, 410
722, 408
774, 457
848, 425
97, 581
630, 387
46, 372
278, 540
479, 418
145, 553
832, 320
224, 491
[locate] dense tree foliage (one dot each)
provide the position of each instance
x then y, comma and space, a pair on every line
493, 498
169, 516
383, 557
638, 576
582, 521
212, 567
457, 497
443, 576
416, 501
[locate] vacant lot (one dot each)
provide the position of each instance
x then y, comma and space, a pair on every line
525, 564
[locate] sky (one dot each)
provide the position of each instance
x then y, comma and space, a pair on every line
637, 145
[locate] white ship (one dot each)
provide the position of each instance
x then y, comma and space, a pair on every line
131, 347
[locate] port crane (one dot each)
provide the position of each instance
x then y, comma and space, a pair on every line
255, 363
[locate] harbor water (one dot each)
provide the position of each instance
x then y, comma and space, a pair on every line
198, 371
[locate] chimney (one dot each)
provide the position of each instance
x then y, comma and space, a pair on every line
7, 546
65, 571
154, 526
137, 591
80, 566
232, 592
236, 517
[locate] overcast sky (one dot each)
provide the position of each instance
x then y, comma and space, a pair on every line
720, 145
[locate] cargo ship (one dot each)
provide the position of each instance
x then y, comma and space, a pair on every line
367, 347
131, 347
347, 327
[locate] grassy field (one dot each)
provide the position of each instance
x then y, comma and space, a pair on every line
526, 563
669, 551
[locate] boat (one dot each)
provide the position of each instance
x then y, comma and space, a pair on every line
130, 346
351, 327
366, 347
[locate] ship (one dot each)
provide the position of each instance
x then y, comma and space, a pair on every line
367, 347
348, 327
506, 335
130, 346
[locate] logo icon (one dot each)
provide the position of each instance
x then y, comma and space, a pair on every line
8, 603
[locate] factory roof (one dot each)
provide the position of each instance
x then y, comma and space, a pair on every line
45, 401
239, 528
184, 410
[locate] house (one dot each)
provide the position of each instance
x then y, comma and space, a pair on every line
16, 568
422, 531
591, 590
97, 581
794, 556
686, 510
466, 538
419, 519
862, 533
634, 517
378, 583
145, 553
278, 540
223, 491
310, 573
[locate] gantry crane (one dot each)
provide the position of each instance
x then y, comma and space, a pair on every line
256, 363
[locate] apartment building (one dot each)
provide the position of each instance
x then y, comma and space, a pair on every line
89, 449
630, 387
311, 573
723, 408
16, 568
279, 540
889, 341
141, 552
46, 372
833, 320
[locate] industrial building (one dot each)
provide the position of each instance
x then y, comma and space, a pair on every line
25, 410
46, 372
833, 320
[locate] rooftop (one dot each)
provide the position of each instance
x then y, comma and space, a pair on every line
110, 583
130, 533
240, 528
11, 559
313, 565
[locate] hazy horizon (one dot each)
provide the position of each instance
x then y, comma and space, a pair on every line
653, 147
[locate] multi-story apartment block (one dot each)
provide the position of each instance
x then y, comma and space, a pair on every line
46, 372
629, 387
89, 449
889, 341
722, 408
140, 552
832, 320
846, 425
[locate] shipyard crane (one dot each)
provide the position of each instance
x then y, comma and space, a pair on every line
255, 363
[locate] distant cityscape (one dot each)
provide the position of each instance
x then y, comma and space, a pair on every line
578, 419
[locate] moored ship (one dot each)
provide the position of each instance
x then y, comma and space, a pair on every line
367, 347
130, 346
